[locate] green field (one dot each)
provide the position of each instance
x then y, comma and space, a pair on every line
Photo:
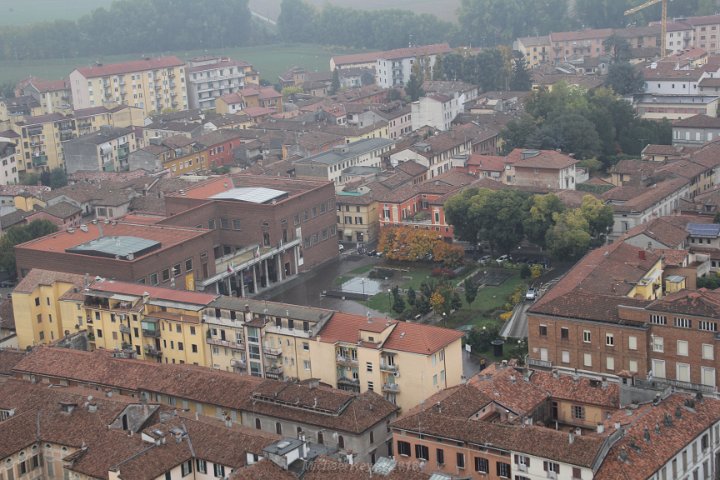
269, 60
23, 12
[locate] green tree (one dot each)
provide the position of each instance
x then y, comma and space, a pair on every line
58, 178
335, 85
480, 338
525, 271
598, 215
569, 237
572, 133
452, 65
520, 132
423, 305
411, 296
455, 301
21, 234
471, 290
398, 304
618, 47
540, 217
438, 70
7, 90
297, 21
414, 89
625, 79
520, 79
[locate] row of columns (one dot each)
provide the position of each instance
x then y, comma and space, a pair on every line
264, 268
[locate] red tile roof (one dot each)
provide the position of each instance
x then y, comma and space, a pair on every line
549, 159
492, 163
156, 293
404, 336
132, 66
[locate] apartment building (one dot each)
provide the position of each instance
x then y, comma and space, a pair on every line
211, 77
8, 160
104, 151
544, 169
405, 362
152, 84
643, 321
393, 68
695, 131
42, 137
263, 339
336, 165
436, 153
535, 50
357, 217
436, 111
332, 420
258, 98
53, 95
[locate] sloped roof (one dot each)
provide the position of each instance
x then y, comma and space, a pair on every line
132, 66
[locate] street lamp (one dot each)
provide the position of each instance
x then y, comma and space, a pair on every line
389, 302
444, 319
362, 281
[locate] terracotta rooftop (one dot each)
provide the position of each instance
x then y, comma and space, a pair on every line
199, 384
655, 434
589, 34
490, 163
38, 277
128, 67
698, 121
702, 302
404, 336
507, 387
155, 293
549, 159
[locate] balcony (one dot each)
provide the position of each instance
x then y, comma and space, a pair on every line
89, 319
125, 329
391, 387
225, 343
533, 362
273, 372
349, 382
386, 367
272, 351
39, 160
35, 131
151, 333
152, 352
347, 361
237, 363
123, 151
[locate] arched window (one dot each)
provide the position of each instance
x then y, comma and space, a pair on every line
341, 441
278, 428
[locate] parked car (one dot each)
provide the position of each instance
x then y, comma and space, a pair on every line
371, 253
504, 258
485, 259
531, 294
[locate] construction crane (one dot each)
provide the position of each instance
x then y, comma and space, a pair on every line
663, 20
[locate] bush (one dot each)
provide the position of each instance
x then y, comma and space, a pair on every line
506, 316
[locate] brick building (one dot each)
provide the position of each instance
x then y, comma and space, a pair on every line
618, 313
285, 226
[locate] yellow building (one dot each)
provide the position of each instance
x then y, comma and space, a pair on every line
260, 338
357, 216
40, 315
154, 323
90, 120
27, 201
191, 163
152, 84
42, 137
406, 362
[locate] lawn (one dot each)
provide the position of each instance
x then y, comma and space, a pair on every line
269, 60
488, 300
24, 12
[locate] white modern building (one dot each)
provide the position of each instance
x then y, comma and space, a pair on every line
336, 164
211, 77
436, 110
394, 67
